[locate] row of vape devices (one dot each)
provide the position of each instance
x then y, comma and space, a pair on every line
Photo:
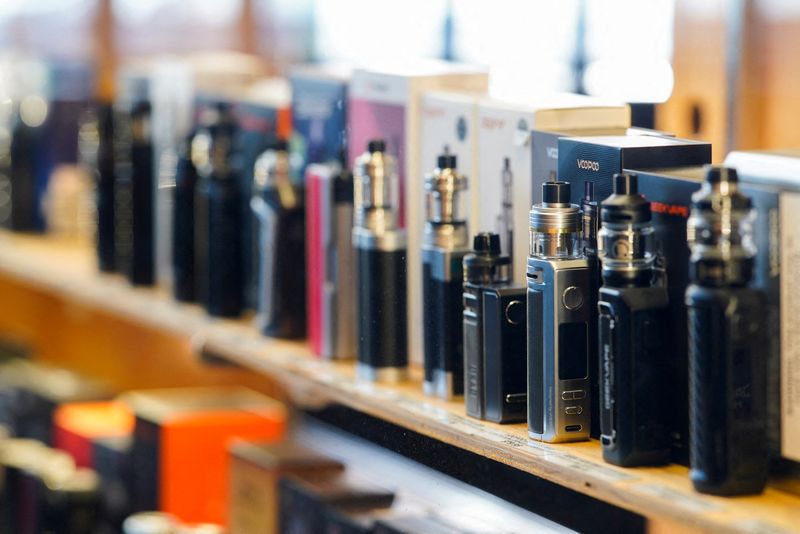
583, 343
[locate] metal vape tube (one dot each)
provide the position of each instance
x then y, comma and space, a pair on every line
559, 313
590, 222
505, 220
444, 245
218, 219
279, 206
183, 225
633, 303
727, 372
380, 246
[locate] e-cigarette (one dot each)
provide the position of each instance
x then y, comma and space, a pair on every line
590, 221
494, 335
727, 370
559, 313
380, 246
280, 208
218, 218
184, 284
505, 219
633, 304
330, 260
444, 245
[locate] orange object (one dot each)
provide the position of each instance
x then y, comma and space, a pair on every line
181, 441
76, 425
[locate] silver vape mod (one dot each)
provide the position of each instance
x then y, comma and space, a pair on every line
559, 302
444, 245
380, 246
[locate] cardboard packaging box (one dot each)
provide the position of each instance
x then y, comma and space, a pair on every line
180, 444
505, 185
255, 471
385, 103
77, 425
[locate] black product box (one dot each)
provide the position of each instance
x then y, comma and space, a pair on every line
670, 195
305, 506
112, 463
597, 159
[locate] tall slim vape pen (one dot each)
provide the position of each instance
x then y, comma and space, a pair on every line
633, 304
727, 369
280, 208
330, 260
590, 221
559, 312
444, 245
184, 285
380, 246
505, 219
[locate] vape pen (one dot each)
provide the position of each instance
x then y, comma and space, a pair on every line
559, 312
633, 304
380, 246
183, 254
590, 222
218, 217
444, 245
330, 260
727, 370
280, 209
505, 220
494, 335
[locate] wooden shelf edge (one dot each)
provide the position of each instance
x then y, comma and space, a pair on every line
661, 493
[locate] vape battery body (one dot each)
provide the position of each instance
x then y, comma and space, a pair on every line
380, 248
330, 261
444, 245
280, 209
559, 314
183, 230
727, 373
590, 220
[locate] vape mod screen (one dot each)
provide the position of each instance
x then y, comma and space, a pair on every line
572, 351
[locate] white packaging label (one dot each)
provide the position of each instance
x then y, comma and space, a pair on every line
790, 325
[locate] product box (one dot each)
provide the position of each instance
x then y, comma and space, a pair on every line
319, 112
256, 469
506, 185
112, 462
385, 103
180, 444
77, 425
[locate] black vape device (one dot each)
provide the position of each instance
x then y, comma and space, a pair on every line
184, 284
590, 223
380, 246
444, 245
494, 335
135, 184
727, 367
96, 150
560, 310
218, 218
280, 207
28, 139
634, 308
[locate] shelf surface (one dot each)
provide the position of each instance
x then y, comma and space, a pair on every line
663, 493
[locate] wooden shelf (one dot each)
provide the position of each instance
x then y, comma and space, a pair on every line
662, 494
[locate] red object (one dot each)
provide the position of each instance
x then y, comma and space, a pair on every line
77, 424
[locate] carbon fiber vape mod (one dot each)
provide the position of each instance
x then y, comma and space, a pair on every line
505, 219
494, 335
590, 220
330, 260
279, 206
727, 370
559, 313
444, 245
184, 284
633, 303
380, 246
135, 184
218, 217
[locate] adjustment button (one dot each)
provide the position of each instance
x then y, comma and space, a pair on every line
572, 298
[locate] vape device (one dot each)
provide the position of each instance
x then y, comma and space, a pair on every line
590, 221
494, 335
505, 219
380, 246
218, 219
633, 304
26, 168
444, 245
330, 260
183, 223
280, 208
135, 185
559, 314
727, 370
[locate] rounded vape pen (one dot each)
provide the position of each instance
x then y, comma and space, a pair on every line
559, 313
633, 302
380, 246
444, 245
727, 368
183, 260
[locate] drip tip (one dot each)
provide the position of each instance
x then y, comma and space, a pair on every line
718, 173
588, 191
626, 183
376, 145
555, 193
280, 145
446, 161
486, 243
